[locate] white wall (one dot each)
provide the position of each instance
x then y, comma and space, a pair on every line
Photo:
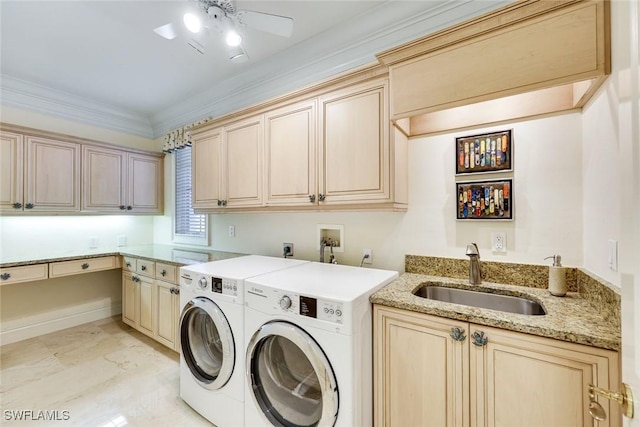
607, 147
548, 207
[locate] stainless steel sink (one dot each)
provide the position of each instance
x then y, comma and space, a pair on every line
481, 299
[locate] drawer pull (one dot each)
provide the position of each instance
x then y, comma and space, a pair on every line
458, 334
85, 266
163, 273
143, 268
5, 276
479, 339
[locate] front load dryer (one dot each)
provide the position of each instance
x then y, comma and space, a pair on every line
211, 334
308, 346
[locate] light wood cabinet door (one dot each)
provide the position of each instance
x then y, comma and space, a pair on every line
11, 175
421, 373
206, 168
104, 179
167, 306
243, 142
530, 381
291, 160
130, 292
144, 177
53, 175
146, 306
354, 139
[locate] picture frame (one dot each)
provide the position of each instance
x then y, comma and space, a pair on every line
485, 200
487, 152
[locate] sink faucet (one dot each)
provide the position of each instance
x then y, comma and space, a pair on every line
475, 273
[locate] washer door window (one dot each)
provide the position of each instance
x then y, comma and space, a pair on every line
207, 343
291, 380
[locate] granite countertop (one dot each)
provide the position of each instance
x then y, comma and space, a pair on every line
571, 318
170, 254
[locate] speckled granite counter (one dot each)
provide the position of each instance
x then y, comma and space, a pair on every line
165, 253
572, 318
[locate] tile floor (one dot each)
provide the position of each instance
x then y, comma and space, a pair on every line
101, 374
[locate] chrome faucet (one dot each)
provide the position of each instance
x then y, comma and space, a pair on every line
475, 273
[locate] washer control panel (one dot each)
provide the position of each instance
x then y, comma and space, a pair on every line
225, 286
329, 311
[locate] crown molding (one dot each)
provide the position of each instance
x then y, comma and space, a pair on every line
29, 96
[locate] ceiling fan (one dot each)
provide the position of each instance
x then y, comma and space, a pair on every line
222, 17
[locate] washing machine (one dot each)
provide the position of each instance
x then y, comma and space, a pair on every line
308, 334
211, 334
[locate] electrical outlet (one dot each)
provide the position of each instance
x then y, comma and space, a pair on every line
232, 231
367, 256
613, 255
122, 240
498, 242
287, 249
94, 241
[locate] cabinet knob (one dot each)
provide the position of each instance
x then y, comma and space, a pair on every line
122, 207
479, 339
177, 291
128, 265
29, 206
5, 276
17, 205
312, 198
85, 266
458, 334
163, 273
224, 203
143, 268
219, 202
624, 398
321, 197
129, 208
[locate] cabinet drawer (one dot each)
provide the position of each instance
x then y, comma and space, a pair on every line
25, 273
145, 268
87, 265
129, 264
166, 272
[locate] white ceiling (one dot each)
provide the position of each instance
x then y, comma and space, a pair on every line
100, 61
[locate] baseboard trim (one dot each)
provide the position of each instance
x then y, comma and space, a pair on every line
56, 321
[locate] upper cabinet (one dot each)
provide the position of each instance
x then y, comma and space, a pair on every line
47, 173
526, 59
329, 150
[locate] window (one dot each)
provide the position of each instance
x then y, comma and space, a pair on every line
189, 227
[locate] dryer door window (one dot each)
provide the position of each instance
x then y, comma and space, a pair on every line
207, 343
291, 379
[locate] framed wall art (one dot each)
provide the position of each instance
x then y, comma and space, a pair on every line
482, 200
489, 152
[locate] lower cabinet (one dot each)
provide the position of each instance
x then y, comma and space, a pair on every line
150, 305
432, 371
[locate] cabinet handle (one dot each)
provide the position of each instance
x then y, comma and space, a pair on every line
85, 266
321, 197
143, 268
163, 273
129, 208
122, 207
312, 198
479, 339
624, 398
5, 276
29, 206
17, 205
458, 334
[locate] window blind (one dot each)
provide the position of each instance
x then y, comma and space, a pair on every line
187, 223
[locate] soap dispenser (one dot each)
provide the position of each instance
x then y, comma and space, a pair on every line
557, 277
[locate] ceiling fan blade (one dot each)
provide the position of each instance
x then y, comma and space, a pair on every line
274, 24
168, 31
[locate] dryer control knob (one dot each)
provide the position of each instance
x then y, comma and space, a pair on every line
202, 283
285, 302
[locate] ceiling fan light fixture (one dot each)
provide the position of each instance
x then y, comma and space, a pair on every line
233, 38
237, 54
192, 22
